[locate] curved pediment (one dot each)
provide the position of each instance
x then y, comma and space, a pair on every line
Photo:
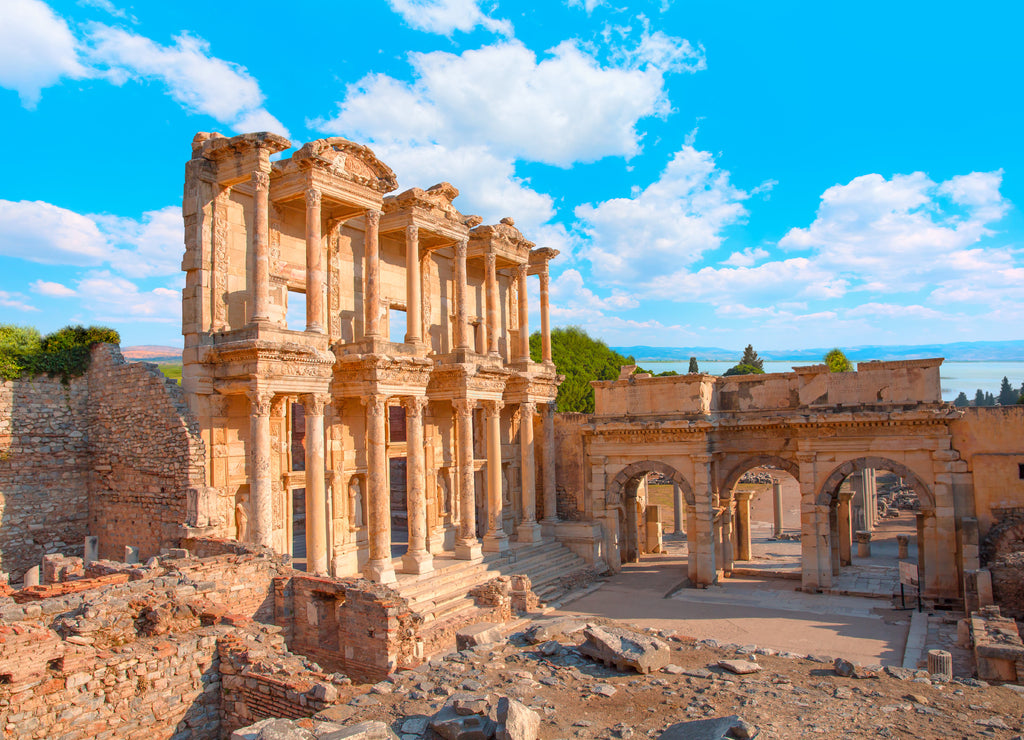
349, 160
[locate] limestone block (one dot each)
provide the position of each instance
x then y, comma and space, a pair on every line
483, 633
363, 731
31, 577
740, 667
452, 726
516, 721
625, 648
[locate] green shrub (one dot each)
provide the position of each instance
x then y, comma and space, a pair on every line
65, 352
744, 369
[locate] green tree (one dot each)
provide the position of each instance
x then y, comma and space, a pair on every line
580, 358
837, 362
1007, 395
961, 400
693, 366
750, 358
64, 352
990, 400
979, 398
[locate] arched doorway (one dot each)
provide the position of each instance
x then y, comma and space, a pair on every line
876, 517
628, 497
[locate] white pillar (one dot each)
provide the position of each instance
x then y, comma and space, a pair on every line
529, 530
371, 296
316, 497
261, 246
467, 546
260, 493
461, 321
379, 567
417, 559
524, 313
413, 320
495, 540
314, 264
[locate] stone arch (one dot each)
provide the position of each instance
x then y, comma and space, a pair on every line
617, 487
827, 492
755, 461
1005, 537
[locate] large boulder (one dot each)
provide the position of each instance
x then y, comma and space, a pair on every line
623, 648
451, 725
516, 721
716, 728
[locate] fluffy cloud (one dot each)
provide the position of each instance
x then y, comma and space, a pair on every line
15, 301
37, 49
666, 226
112, 298
746, 258
572, 301
52, 290
587, 5
42, 232
200, 82
447, 16
559, 110
891, 235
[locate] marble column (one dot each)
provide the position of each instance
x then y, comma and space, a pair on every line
495, 540
524, 313
845, 528
550, 494
701, 539
545, 315
467, 546
743, 525
260, 492
261, 247
314, 264
379, 567
528, 530
417, 559
413, 300
677, 507
316, 495
371, 295
461, 320
490, 262
777, 505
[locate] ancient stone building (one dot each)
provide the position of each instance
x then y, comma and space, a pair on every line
704, 432
408, 374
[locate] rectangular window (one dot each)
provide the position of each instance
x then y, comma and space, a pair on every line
396, 423
295, 311
396, 325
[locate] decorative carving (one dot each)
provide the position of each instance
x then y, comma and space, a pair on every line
464, 407
444, 493
460, 248
414, 405
241, 522
220, 259
315, 403
493, 408
313, 198
372, 218
376, 404
260, 180
259, 402
355, 497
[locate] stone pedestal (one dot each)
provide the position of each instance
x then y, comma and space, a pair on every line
903, 541
863, 544
940, 662
92, 549
31, 577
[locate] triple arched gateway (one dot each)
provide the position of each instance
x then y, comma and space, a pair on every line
702, 433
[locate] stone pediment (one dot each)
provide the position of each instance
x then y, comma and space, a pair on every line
345, 159
436, 200
504, 239
214, 146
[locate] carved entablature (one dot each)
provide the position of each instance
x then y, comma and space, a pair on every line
434, 202
533, 387
292, 364
235, 159
360, 375
467, 380
346, 160
503, 240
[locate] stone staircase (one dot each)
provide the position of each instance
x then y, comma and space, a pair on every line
442, 596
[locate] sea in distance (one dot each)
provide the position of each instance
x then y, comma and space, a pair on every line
955, 376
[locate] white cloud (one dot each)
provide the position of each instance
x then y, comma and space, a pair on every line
561, 109
894, 311
572, 301
893, 235
52, 290
447, 16
200, 82
37, 49
154, 244
112, 298
15, 301
42, 232
746, 258
667, 225
106, 6
587, 5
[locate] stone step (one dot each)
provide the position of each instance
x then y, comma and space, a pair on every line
441, 580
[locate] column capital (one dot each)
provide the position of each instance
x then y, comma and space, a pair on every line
549, 409
313, 197
806, 457
260, 402
522, 270
493, 408
490, 260
464, 406
415, 404
376, 403
372, 217
461, 246
412, 231
315, 403
528, 407
260, 180
702, 459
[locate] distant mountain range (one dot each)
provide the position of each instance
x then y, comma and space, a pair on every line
152, 353
1009, 351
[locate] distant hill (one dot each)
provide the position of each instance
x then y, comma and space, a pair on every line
1008, 351
152, 353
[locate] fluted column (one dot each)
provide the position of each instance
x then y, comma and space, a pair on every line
260, 492
413, 301
743, 549
844, 528
416, 559
461, 321
314, 264
495, 540
677, 507
524, 313
550, 496
545, 315
371, 295
529, 530
378, 567
316, 496
467, 546
261, 246
490, 262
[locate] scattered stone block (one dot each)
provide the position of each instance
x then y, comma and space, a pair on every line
131, 554
31, 577
453, 726
604, 689
547, 631
273, 729
844, 668
740, 667
484, 633
363, 731
625, 648
716, 728
415, 725
516, 721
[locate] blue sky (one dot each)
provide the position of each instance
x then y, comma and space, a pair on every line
786, 174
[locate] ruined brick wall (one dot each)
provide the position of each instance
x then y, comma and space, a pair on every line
569, 459
43, 471
236, 576
146, 452
1008, 584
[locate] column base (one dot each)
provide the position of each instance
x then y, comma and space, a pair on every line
528, 532
547, 528
470, 550
381, 571
496, 542
418, 563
